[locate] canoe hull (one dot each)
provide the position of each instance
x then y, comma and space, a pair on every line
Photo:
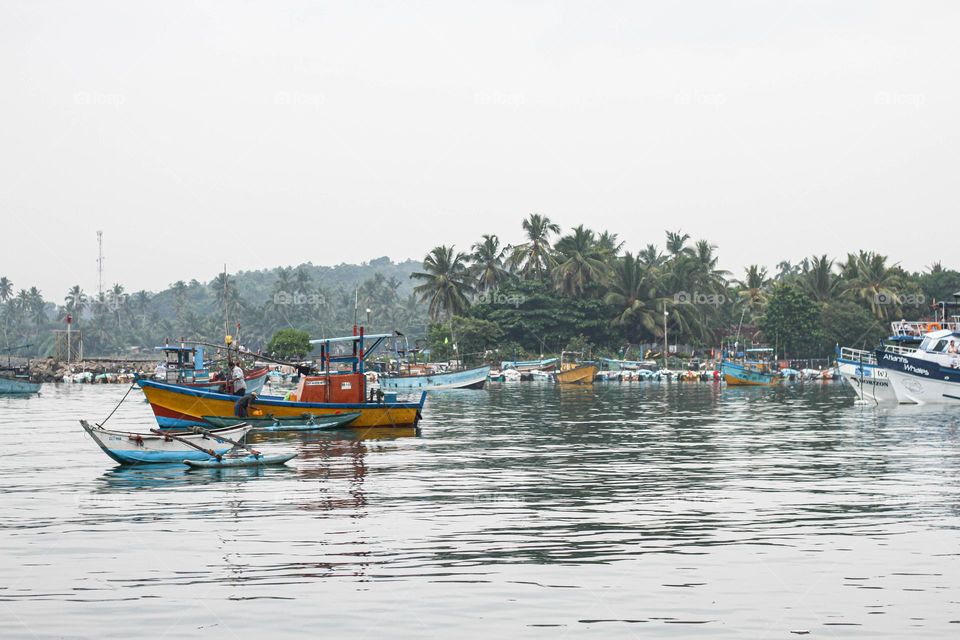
179, 407
303, 423
245, 461
583, 374
467, 379
148, 448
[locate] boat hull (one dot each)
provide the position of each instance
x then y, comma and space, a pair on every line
180, 407
868, 381
17, 386
738, 375
583, 374
244, 461
145, 448
255, 381
467, 379
303, 423
918, 381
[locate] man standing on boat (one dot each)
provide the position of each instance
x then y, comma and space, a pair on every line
239, 383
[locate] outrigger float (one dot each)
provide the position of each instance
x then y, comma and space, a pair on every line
328, 393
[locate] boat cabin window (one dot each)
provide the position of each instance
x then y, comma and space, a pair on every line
941, 345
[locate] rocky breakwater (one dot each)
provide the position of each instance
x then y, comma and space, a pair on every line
89, 372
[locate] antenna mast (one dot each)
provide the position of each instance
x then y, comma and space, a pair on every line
100, 264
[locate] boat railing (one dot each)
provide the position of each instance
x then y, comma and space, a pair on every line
865, 356
917, 328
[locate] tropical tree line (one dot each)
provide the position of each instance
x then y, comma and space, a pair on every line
118, 323
583, 288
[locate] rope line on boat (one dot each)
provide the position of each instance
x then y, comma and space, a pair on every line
100, 424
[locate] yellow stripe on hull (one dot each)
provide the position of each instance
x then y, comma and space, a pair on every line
740, 382
170, 404
579, 375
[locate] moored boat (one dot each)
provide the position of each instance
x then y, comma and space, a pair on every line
474, 378
241, 461
543, 364
330, 392
572, 372
306, 422
930, 374
752, 368
137, 448
185, 365
17, 385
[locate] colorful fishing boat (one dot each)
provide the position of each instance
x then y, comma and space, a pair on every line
753, 369
331, 391
306, 422
137, 448
474, 378
572, 372
185, 365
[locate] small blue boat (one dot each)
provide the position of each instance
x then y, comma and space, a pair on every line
139, 448
529, 365
474, 378
18, 385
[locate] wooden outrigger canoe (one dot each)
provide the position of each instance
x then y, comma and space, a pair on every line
137, 448
180, 407
306, 422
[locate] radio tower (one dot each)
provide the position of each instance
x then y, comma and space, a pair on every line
100, 264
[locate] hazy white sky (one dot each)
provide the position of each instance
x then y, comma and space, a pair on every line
267, 133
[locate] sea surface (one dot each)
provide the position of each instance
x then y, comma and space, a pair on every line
647, 510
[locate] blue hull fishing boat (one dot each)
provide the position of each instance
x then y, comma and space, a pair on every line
141, 448
529, 365
474, 378
18, 386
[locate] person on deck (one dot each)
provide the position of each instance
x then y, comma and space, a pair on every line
242, 407
239, 383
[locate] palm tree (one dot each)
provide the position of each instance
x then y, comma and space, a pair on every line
650, 257
445, 282
533, 258
754, 289
76, 302
631, 293
6, 289
609, 245
36, 306
875, 284
819, 280
581, 262
676, 243
488, 263
302, 280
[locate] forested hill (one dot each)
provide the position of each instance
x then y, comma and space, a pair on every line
317, 299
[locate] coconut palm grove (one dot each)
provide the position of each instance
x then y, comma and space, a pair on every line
558, 289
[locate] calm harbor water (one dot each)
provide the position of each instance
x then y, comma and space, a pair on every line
634, 510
